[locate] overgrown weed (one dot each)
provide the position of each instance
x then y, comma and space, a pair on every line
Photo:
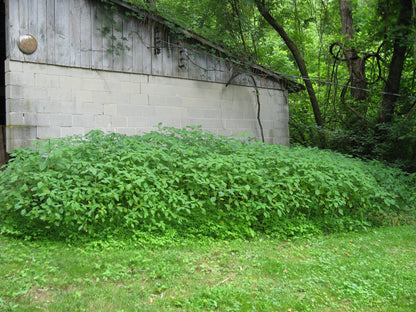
188, 182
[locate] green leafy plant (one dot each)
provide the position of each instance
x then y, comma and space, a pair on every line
194, 183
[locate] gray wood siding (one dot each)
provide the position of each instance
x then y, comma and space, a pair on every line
69, 33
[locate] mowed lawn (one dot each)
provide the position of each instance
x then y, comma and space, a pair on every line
368, 271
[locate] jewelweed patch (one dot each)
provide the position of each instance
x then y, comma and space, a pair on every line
192, 183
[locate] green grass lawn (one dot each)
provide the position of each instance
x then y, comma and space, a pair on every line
371, 271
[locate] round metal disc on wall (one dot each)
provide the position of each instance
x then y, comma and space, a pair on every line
27, 44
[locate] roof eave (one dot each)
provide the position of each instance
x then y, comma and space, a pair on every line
291, 86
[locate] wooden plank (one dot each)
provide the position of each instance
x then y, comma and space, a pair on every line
75, 32
7, 35
166, 59
137, 47
147, 50
127, 44
118, 43
24, 16
157, 49
108, 42
32, 26
50, 31
23, 22
173, 54
85, 34
14, 30
32, 17
195, 63
42, 50
62, 39
211, 67
183, 60
96, 39
221, 70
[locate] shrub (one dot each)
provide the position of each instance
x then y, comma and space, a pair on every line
193, 183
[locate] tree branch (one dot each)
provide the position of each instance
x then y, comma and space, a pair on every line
298, 58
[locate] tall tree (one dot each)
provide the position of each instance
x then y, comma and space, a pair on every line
355, 63
264, 11
400, 47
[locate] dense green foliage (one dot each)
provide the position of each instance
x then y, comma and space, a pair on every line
193, 183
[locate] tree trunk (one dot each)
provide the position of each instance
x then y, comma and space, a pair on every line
356, 64
298, 58
392, 86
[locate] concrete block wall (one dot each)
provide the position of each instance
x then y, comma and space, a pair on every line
54, 101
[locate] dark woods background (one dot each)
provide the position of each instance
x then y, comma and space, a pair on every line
357, 60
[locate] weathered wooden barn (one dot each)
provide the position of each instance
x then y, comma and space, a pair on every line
76, 65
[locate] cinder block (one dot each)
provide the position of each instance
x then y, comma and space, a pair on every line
158, 89
70, 131
267, 124
70, 82
59, 94
14, 92
118, 121
240, 124
250, 113
91, 108
232, 114
67, 107
146, 111
138, 99
205, 123
202, 113
36, 93
48, 132
169, 114
110, 109
102, 121
52, 70
83, 96
130, 87
43, 120
226, 93
93, 85
13, 66
127, 110
18, 105
127, 131
103, 97
15, 119
117, 97
62, 120
29, 119
46, 81
137, 121
82, 121
20, 78
52, 106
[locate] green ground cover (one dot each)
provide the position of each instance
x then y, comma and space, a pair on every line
195, 184
367, 271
